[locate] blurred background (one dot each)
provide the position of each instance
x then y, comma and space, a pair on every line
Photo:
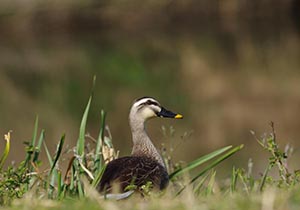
228, 66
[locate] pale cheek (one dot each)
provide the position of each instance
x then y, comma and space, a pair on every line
148, 113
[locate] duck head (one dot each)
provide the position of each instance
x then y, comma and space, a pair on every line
147, 107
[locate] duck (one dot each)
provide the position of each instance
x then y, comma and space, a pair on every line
145, 164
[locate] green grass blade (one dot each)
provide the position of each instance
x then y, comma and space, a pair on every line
63, 192
48, 154
72, 181
198, 162
90, 174
211, 182
38, 147
6, 150
77, 178
263, 180
80, 189
99, 144
213, 164
59, 185
58, 152
54, 173
219, 160
50, 180
51, 183
81, 139
32, 143
233, 183
200, 184
244, 181
34, 135
98, 177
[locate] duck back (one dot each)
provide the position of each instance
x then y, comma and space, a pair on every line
133, 170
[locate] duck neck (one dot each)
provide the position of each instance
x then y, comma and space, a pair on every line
142, 145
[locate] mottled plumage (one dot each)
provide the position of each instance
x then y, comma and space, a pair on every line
134, 170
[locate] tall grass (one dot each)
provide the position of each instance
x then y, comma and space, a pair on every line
86, 167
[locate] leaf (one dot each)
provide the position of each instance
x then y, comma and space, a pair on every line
59, 185
6, 150
98, 177
58, 152
200, 184
31, 145
48, 154
198, 162
216, 162
213, 164
80, 189
81, 139
210, 185
100, 142
233, 182
264, 178
34, 135
38, 148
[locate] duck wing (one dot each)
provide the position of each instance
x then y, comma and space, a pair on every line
133, 170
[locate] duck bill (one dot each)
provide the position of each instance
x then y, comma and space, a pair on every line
166, 113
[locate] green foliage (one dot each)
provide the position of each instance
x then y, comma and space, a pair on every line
278, 159
210, 166
13, 183
198, 162
6, 150
97, 159
87, 165
81, 139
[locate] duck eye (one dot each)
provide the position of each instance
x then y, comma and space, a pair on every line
149, 102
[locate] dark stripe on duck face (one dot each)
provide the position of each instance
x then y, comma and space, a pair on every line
150, 100
148, 103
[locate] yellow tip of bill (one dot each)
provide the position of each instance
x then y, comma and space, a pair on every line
178, 116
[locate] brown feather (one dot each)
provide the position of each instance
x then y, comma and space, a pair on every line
136, 170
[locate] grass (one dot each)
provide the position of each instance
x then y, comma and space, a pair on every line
27, 186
